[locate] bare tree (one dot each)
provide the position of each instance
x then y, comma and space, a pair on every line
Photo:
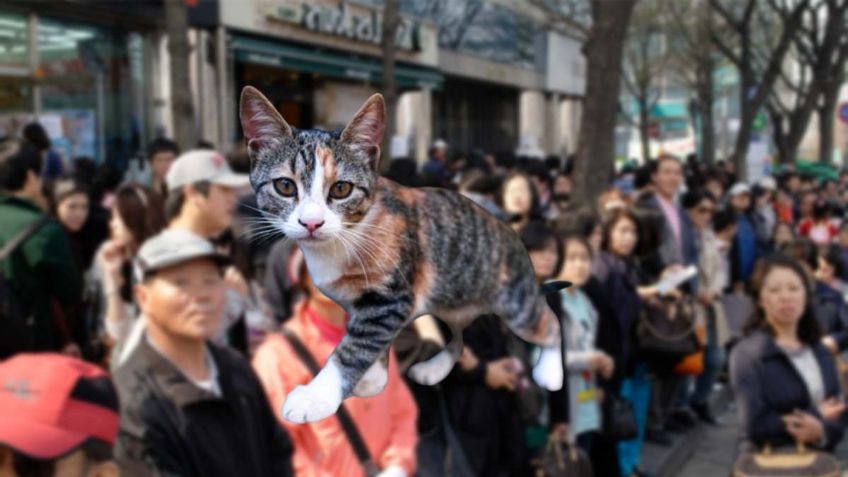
693, 61
390, 25
602, 25
755, 37
182, 104
645, 61
832, 78
820, 50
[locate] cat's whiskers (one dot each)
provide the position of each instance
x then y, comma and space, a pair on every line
355, 253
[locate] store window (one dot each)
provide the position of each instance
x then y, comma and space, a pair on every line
86, 97
15, 82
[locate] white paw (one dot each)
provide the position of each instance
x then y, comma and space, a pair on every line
305, 404
432, 371
373, 382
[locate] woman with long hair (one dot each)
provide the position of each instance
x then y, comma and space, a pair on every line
137, 214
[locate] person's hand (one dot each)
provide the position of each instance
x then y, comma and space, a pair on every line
501, 374
804, 427
467, 360
671, 269
392, 471
111, 260
705, 299
830, 344
739, 288
603, 364
235, 280
831, 409
72, 350
560, 432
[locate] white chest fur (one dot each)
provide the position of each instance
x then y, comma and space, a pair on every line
325, 264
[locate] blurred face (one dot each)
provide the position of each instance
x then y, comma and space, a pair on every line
783, 234
702, 214
825, 271
783, 297
793, 184
184, 301
219, 206
740, 202
562, 185
668, 178
160, 163
72, 211
807, 204
544, 261
843, 237
623, 237
74, 464
715, 188
577, 265
517, 196
118, 230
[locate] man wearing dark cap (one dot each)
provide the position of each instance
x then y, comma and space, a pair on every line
58, 417
189, 407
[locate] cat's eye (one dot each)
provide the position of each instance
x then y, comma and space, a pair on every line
285, 187
341, 190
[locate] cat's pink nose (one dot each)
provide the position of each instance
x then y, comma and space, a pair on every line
311, 225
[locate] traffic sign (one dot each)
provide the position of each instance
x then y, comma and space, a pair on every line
842, 112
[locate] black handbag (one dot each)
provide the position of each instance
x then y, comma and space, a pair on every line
563, 460
619, 419
666, 331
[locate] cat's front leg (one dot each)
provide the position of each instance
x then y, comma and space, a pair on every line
370, 331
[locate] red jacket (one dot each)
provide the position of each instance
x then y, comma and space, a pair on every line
386, 421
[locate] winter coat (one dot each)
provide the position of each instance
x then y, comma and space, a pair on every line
767, 386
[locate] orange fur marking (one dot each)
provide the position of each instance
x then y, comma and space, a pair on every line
328, 163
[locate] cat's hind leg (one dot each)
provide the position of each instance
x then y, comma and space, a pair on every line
437, 368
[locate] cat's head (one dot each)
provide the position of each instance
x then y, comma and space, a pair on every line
316, 184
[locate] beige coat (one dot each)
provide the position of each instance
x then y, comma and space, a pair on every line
713, 275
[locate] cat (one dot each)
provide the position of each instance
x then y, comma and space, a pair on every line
386, 253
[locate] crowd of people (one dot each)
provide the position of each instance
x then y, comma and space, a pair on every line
157, 326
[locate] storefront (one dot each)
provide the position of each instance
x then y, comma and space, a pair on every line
83, 81
317, 61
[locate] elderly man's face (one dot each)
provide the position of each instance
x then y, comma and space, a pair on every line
185, 301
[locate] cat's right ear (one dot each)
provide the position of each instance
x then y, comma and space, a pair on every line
262, 124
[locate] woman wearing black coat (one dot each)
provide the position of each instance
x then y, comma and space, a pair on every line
785, 380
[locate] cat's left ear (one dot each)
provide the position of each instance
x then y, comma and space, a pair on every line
365, 131
261, 122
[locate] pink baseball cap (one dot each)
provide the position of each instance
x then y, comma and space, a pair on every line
50, 404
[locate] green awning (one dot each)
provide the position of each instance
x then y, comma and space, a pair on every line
326, 63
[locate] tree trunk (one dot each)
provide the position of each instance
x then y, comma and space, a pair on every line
706, 99
645, 129
595, 159
182, 105
827, 113
390, 23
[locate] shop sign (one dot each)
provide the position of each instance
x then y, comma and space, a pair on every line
339, 20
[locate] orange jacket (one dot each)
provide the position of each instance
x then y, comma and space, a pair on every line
387, 421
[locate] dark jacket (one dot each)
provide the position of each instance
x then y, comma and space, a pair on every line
42, 272
612, 290
169, 426
832, 313
744, 251
767, 386
684, 253
488, 422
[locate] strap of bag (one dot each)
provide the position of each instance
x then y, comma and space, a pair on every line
22, 236
348, 426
